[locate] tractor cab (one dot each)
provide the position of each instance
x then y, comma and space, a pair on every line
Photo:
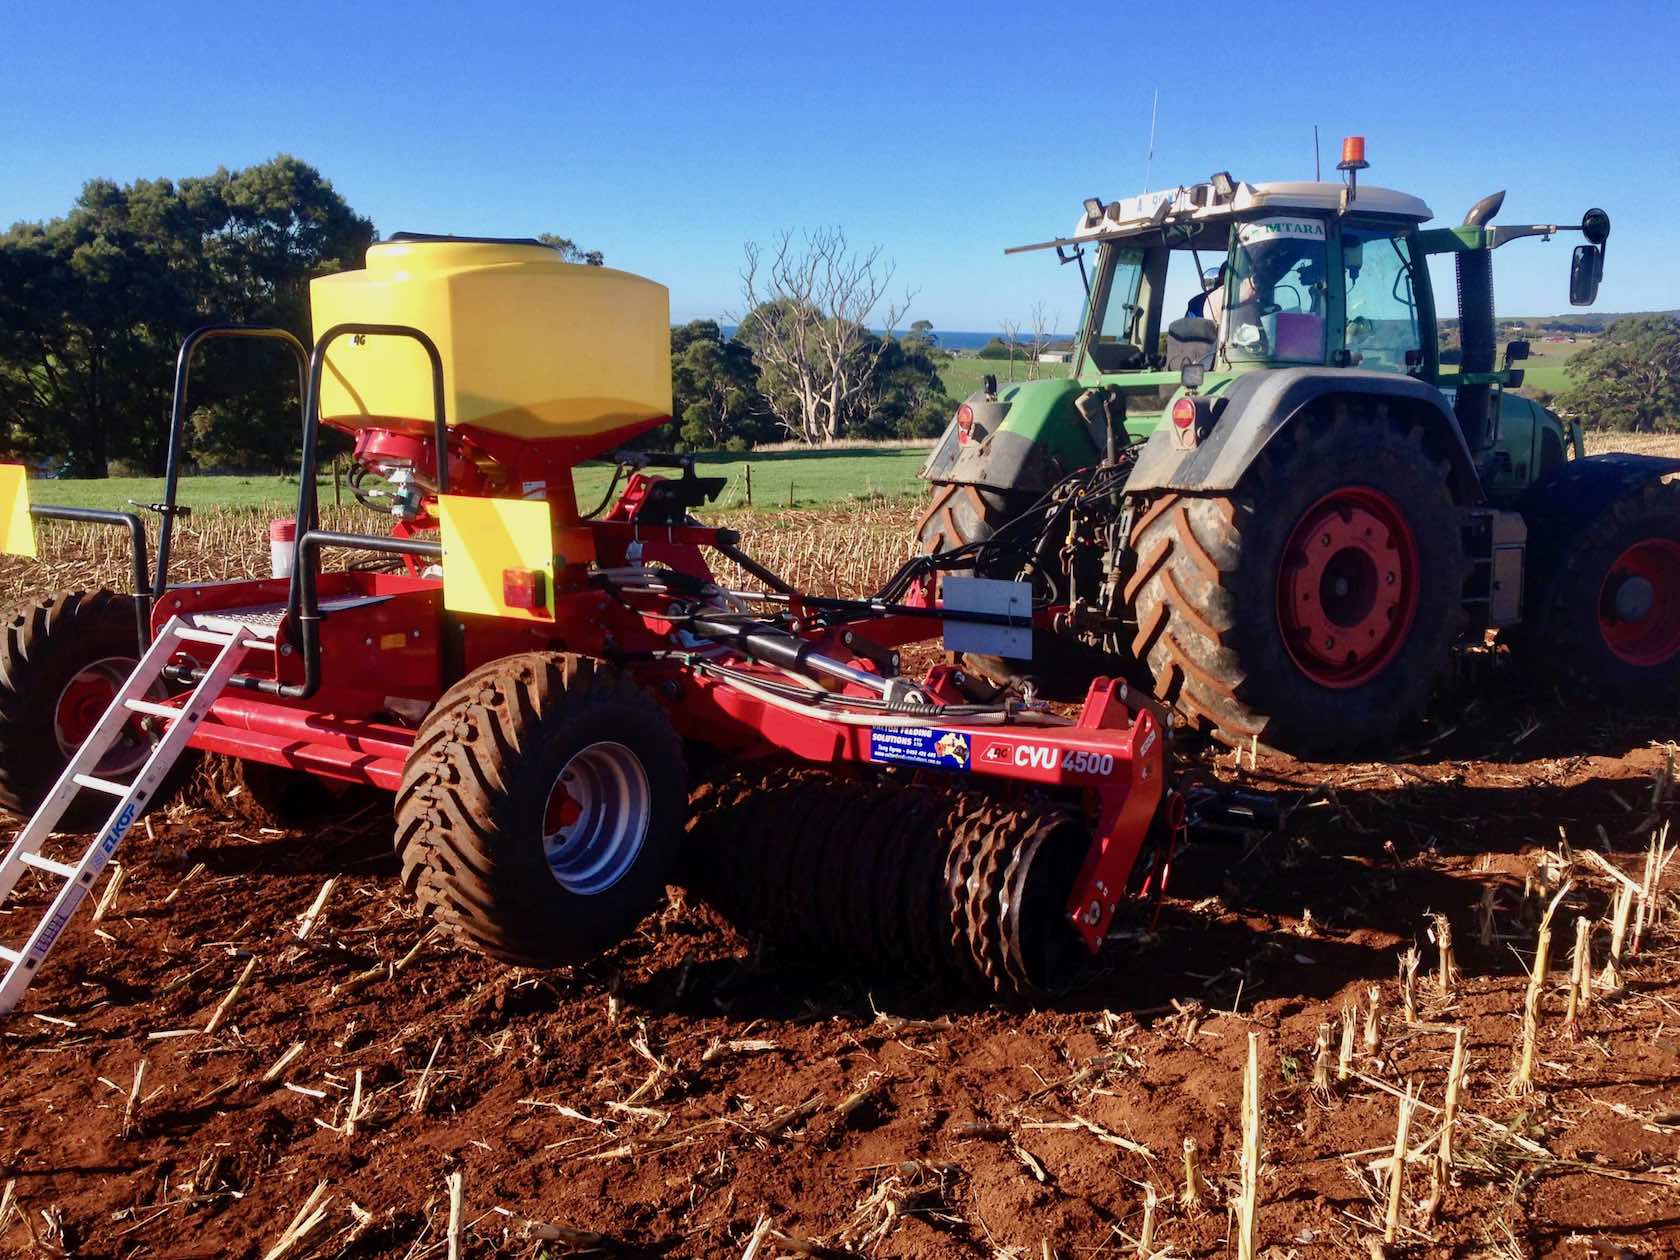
1238, 276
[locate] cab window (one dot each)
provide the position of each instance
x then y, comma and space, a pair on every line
1275, 291
1110, 338
1382, 316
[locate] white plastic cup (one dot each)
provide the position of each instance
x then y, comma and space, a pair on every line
282, 540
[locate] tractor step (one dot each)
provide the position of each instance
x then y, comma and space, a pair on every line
79, 876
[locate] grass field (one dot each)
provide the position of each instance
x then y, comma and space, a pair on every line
962, 374
1544, 370
779, 479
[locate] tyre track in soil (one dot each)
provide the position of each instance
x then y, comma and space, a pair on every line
682, 1128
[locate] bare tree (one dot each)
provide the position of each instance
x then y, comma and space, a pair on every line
1012, 334
807, 320
1043, 331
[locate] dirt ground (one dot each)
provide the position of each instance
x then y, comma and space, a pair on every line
693, 1095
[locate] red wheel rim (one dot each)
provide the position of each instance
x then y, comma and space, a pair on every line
81, 704
1347, 590
1639, 603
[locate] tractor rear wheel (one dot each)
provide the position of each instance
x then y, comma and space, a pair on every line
1609, 618
1061, 667
541, 808
61, 663
1315, 608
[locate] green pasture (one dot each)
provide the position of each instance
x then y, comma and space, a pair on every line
961, 376
1544, 370
778, 479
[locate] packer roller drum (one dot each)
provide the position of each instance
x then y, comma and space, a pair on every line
960, 889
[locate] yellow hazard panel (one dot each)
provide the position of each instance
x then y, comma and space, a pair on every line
494, 550
17, 527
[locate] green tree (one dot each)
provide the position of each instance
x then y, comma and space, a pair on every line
98, 301
921, 335
1629, 378
570, 250
905, 397
714, 389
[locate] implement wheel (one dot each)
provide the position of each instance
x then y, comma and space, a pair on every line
61, 663
1315, 608
541, 808
1609, 619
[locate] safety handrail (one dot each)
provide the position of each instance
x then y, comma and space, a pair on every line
178, 417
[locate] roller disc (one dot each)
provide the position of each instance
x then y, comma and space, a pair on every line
954, 888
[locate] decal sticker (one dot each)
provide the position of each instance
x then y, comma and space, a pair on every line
920, 746
1270, 229
1088, 763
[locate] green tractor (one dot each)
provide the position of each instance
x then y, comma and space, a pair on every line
1277, 507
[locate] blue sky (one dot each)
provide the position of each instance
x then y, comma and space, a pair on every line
669, 134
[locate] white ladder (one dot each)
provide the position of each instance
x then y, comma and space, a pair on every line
79, 879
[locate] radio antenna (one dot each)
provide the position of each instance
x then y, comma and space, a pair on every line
1149, 160
1318, 172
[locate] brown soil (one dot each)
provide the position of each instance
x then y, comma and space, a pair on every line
671, 1097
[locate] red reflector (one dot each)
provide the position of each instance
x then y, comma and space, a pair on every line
1184, 413
965, 424
523, 588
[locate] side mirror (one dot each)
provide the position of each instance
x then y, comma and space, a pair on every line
1516, 352
988, 383
1585, 271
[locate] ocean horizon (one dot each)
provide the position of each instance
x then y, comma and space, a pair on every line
950, 340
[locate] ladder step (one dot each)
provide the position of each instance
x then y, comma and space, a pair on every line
21, 965
102, 785
219, 639
62, 869
202, 636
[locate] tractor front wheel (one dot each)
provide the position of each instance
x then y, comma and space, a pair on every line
541, 808
1609, 617
1315, 608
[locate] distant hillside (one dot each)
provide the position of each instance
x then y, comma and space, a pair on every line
1574, 321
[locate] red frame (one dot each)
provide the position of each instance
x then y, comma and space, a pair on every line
383, 667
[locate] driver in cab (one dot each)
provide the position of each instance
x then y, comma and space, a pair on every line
1274, 274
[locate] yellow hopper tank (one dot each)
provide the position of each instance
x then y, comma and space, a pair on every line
533, 347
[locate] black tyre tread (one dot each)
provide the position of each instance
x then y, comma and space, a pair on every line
1189, 582
452, 805
1563, 641
40, 638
